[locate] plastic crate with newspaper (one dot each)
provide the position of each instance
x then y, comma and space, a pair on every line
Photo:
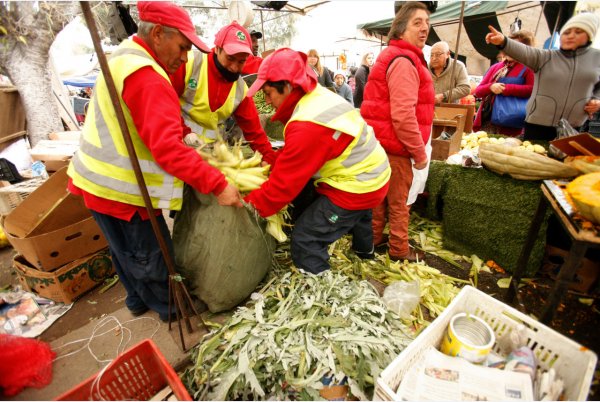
574, 363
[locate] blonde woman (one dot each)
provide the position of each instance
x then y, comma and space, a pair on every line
361, 76
323, 74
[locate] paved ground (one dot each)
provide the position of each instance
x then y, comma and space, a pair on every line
80, 322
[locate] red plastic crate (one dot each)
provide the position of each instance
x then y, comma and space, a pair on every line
137, 374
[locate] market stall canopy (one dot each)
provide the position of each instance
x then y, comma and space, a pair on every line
478, 15
299, 7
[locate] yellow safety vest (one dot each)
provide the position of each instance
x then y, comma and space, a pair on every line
195, 106
102, 166
363, 167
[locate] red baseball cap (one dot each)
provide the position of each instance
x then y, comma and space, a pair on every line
234, 38
285, 65
170, 15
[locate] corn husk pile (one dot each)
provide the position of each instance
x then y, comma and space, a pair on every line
246, 174
437, 290
298, 330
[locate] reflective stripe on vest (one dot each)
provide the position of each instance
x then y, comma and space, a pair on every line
195, 105
363, 166
102, 166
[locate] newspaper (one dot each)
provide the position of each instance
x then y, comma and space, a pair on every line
440, 377
26, 314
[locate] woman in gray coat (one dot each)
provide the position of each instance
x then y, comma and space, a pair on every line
567, 80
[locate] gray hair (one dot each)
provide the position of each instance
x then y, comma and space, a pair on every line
442, 45
144, 28
403, 15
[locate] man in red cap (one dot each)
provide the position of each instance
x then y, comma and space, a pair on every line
327, 141
101, 171
254, 60
211, 90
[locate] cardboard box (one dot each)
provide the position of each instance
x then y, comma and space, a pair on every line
68, 282
55, 154
12, 113
52, 227
48, 208
65, 136
51, 250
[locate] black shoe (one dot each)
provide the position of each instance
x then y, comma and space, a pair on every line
381, 247
165, 318
139, 311
365, 256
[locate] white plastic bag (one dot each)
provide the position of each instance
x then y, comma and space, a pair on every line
402, 297
419, 177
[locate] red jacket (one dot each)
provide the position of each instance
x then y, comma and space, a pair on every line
252, 64
521, 91
402, 122
307, 147
246, 115
145, 92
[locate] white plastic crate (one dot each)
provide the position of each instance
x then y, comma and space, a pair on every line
574, 363
13, 195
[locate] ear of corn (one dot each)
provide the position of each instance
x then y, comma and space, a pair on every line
246, 174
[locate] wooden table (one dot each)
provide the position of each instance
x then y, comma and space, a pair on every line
581, 240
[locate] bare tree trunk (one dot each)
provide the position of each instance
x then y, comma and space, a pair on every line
24, 56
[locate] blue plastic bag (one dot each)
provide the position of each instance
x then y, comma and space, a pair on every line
510, 111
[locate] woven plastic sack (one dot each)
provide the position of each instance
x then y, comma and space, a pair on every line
222, 252
24, 363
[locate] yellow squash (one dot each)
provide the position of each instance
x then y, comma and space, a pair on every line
585, 193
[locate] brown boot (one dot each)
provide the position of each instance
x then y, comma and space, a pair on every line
412, 256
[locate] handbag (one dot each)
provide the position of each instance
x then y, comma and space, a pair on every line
510, 111
486, 108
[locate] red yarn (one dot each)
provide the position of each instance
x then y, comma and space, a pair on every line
24, 362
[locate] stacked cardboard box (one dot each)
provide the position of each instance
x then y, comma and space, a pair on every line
59, 242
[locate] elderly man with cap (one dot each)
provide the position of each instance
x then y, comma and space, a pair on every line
567, 80
101, 171
450, 78
211, 90
326, 140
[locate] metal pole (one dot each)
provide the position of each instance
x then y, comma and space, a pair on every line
539, 19
174, 279
460, 24
262, 27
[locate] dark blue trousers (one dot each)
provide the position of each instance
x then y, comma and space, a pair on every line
138, 260
321, 224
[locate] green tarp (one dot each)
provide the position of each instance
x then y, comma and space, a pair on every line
447, 12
